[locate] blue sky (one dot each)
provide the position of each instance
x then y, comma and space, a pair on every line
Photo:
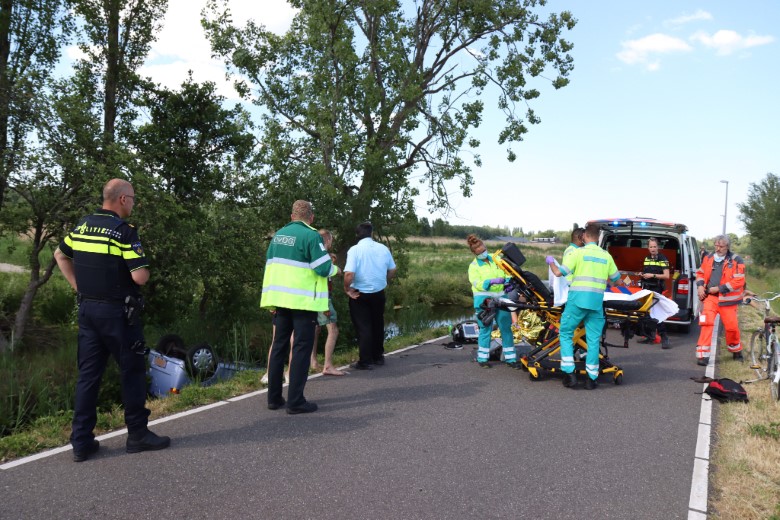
667, 99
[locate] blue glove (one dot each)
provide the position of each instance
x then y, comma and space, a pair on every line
550, 260
497, 281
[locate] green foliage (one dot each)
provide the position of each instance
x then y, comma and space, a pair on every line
761, 217
767, 431
55, 303
199, 230
12, 287
32, 33
358, 98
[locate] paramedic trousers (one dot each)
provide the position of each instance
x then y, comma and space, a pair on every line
728, 317
104, 332
504, 321
594, 328
303, 324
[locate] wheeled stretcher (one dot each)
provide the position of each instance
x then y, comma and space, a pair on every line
630, 312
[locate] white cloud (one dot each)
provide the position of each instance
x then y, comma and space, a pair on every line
686, 18
181, 45
645, 51
726, 41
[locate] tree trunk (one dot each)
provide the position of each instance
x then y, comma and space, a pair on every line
112, 74
6, 8
36, 281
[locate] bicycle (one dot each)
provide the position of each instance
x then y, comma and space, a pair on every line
765, 346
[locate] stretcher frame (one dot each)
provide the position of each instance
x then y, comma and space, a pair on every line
531, 296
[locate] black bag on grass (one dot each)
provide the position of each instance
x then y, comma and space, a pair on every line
726, 390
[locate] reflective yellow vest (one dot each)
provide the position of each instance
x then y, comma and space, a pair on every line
479, 271
592, 268
297, 270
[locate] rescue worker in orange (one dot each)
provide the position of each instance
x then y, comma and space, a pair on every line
720, 282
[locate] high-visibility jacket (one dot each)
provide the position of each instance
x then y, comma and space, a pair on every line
566, 252
297, 270
656, 265
592, 268
479, 271
732, 280
105, 250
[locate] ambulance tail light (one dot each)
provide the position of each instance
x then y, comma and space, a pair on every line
683, 286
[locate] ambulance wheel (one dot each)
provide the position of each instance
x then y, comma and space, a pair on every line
201, 362
618, 379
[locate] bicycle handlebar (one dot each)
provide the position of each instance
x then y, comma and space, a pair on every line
756, 298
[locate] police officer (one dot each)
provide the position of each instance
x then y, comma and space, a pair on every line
104, 262
654, 273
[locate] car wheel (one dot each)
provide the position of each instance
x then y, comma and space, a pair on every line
201, 362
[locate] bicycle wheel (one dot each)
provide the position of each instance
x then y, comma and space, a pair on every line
774, 366
758, 353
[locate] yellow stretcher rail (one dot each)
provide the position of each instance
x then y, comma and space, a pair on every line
531, 294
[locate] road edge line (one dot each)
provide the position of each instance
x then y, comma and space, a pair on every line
700, 480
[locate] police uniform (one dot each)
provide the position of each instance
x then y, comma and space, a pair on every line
104, 250
656, 265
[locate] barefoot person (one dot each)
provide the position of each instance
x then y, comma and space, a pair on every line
327, 319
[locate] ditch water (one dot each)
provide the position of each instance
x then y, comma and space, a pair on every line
409, 320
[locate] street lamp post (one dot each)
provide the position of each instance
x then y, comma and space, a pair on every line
725, 207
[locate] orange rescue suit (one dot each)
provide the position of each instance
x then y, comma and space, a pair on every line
730, 291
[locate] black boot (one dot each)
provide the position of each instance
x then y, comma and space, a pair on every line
569, 380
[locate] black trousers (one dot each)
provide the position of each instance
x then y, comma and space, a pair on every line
104, 332
661, 328
287, 321
368, 316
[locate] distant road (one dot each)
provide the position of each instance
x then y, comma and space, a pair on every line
11, 268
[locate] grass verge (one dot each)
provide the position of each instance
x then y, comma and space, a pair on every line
745, 459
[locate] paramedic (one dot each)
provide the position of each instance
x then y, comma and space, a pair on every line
720, 282
102, 259
295, 283
654, 272
487, 280
592, 268
576, 241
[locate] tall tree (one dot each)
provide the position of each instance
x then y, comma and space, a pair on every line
195, 213
116, 37
360, 95
761, 217
31, 35
56, 183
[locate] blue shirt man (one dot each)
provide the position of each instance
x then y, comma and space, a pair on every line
369, 268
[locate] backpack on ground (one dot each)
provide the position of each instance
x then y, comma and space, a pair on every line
724, 389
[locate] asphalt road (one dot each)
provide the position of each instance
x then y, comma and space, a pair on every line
429, 435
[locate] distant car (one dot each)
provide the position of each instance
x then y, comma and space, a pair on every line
626, 240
